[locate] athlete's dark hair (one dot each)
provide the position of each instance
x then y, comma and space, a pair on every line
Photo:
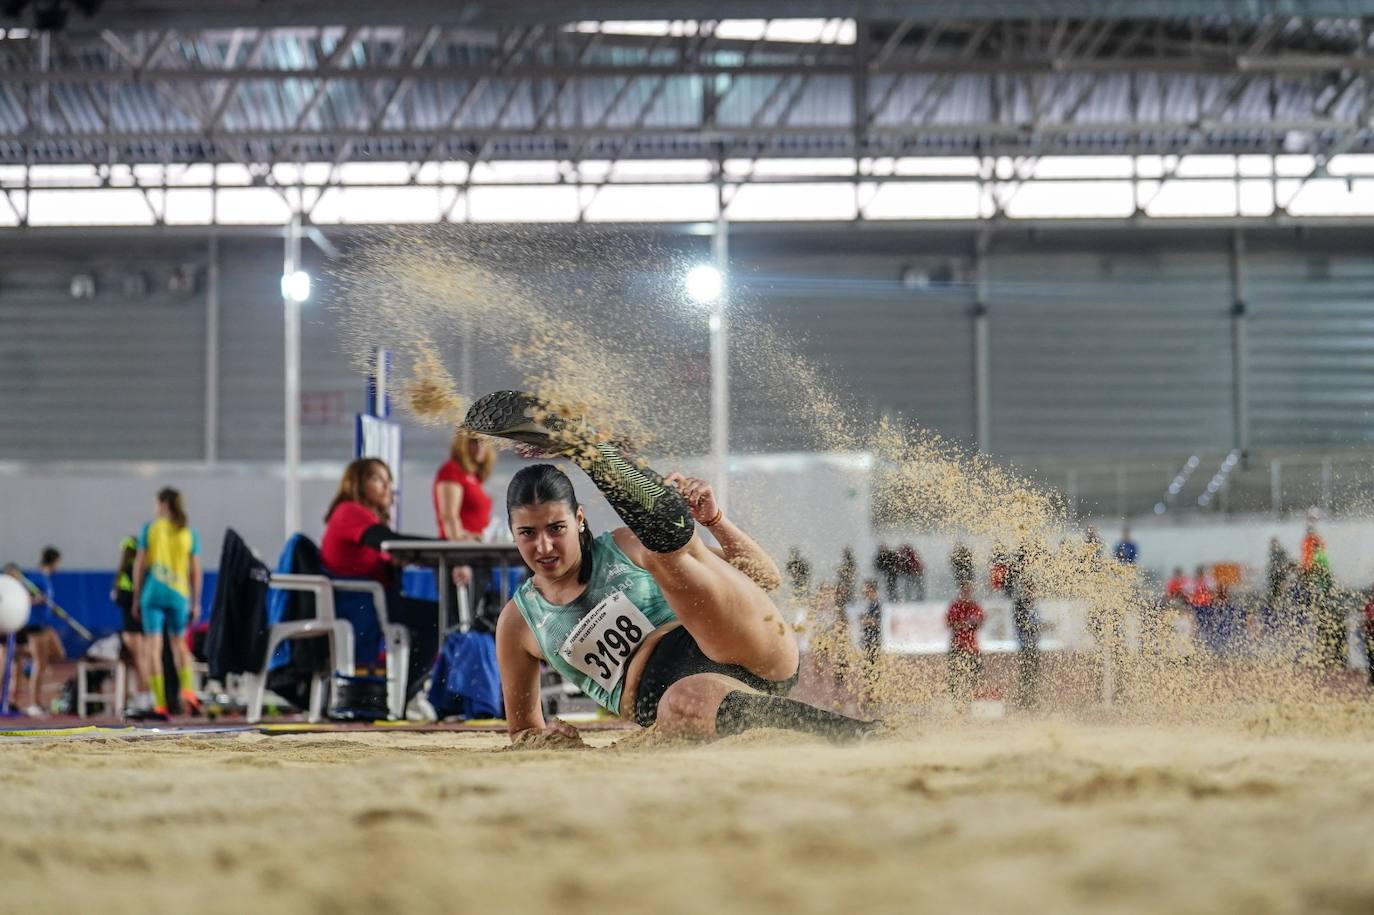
539, 484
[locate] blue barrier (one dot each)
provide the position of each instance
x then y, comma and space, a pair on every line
86, 596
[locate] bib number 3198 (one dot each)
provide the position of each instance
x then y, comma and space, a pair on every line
606, 638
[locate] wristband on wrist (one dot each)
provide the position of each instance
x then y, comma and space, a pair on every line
720, 513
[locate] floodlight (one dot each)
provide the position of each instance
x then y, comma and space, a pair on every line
295, 287
705, 284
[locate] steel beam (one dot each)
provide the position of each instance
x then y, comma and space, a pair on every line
223, 14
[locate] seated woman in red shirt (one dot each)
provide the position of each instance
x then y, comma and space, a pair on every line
355, 527
462, 507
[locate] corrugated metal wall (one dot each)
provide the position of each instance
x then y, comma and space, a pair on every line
119, 375
251, 423
1109, 345
900, 350
1116, 352
1311, 330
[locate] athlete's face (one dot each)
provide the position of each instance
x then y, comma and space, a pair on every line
546, 534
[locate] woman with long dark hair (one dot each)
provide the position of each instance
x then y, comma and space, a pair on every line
356, 525
462, 508
167, 587
647, 619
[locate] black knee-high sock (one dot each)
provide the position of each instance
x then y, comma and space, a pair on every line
740, 711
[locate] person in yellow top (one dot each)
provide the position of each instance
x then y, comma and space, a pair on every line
167, 584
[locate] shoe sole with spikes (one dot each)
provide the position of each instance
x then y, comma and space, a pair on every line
653, 510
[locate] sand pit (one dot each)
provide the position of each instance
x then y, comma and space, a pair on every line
1044, 815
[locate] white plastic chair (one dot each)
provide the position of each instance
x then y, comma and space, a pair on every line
397, 638
113, 702
339, 632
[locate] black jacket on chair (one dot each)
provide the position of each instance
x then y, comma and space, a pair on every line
238, 613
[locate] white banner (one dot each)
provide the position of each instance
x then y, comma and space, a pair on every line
919, 628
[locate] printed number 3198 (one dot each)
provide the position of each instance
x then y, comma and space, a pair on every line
614, 646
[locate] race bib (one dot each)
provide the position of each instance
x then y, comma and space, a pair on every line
604, 641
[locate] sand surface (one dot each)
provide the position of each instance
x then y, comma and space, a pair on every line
1267, 815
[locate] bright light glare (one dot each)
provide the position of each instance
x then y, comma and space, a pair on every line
295, 287
705, 284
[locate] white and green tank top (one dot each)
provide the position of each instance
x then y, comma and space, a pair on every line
591, 639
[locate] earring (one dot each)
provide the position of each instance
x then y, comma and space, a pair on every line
582, 528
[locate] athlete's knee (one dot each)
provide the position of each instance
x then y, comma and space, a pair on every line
682, 702
688, 707
769, 652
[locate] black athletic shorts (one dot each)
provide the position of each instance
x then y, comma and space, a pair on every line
677, 656
22, 636
125, 600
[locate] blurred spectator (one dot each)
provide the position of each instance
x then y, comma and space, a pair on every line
1313, 551
462, 507
131, 630
1367, 631
1025, 619
1093, 538
961, 565
871, 624
830, 641
1277, 571
1201, 597
1276, 588
1177, 588
965, 663
913, 573
1227, 623
886, 564
1319, 591
844, 578
38, 640
1328, 615
1126, 550
167, 590
798, 572
356, 525
999, 568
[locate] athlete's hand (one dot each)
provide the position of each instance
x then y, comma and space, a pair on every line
530, 451
134, 610
558, 735
563, 729
700, 497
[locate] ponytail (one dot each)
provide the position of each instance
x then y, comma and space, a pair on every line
584, 540
176, 509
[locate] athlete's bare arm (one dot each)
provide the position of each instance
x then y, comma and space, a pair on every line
518, 656
736, 547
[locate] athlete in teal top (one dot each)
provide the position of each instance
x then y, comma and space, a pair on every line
587, 654
648, 620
